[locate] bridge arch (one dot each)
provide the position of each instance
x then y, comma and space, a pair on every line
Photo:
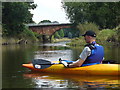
48, 29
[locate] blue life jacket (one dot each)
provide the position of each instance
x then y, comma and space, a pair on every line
97, 54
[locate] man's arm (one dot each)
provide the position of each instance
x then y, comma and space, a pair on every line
85, 53
78, 63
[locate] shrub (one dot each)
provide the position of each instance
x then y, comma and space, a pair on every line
77, 42
27, 34
56, 35
117, 29
61, 33
107, 35
88, 26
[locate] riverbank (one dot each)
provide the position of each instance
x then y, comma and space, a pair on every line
62, 40
110, 37
11, 41
76, 42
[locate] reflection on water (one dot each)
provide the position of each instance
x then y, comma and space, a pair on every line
43, 80
15, 76
56, 44
54, 55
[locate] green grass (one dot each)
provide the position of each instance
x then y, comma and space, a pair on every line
61, 40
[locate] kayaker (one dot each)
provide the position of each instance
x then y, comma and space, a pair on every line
92, 53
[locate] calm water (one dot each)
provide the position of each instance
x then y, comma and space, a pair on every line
15, 76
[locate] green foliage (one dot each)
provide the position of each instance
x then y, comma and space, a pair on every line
37, 35
61, 33
104, 14
88, 26
28, 34
45, 21
109, 35
77, 42
14, 17
106, 35
56, 35
117, 36
73, 31
52, 38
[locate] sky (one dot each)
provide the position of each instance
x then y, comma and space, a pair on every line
49, 10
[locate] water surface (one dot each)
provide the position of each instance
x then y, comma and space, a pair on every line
15, 76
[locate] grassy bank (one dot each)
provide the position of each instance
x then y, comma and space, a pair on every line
61, 40
104, 37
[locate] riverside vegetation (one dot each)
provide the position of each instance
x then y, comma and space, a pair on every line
104, 36
102, 17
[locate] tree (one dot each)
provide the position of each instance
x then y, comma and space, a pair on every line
104, 14
61, 33
45, 21
56, 35
88, 26
55, 22
14, 17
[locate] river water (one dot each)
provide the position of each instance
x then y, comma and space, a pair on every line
16, 76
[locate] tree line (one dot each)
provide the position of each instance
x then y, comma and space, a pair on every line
102, 17
104, 14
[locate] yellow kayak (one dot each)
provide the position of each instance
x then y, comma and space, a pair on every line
98, 69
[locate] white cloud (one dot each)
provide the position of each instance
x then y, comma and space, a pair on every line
49, 10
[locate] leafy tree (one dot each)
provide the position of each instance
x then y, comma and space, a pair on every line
104, 14
55, 22
14, 17
56, 35
88, 26
45, 21
61, 33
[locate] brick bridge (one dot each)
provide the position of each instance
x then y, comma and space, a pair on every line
48, 29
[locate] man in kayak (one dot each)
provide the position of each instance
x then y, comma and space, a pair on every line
92, 53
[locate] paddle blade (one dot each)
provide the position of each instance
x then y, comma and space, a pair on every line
41, 64
41, 61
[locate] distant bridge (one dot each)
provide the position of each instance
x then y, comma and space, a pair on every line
48, 29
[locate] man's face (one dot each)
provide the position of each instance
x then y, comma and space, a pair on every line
87, 38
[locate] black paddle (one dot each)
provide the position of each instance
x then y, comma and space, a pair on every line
42, 64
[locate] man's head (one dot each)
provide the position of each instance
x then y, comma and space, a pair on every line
89, 36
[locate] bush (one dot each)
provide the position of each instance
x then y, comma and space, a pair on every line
61, 33
107, 35
56, 35
27, 34
88, 26
77, 42
117, 29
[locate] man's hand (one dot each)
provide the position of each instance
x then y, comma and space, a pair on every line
65, 63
